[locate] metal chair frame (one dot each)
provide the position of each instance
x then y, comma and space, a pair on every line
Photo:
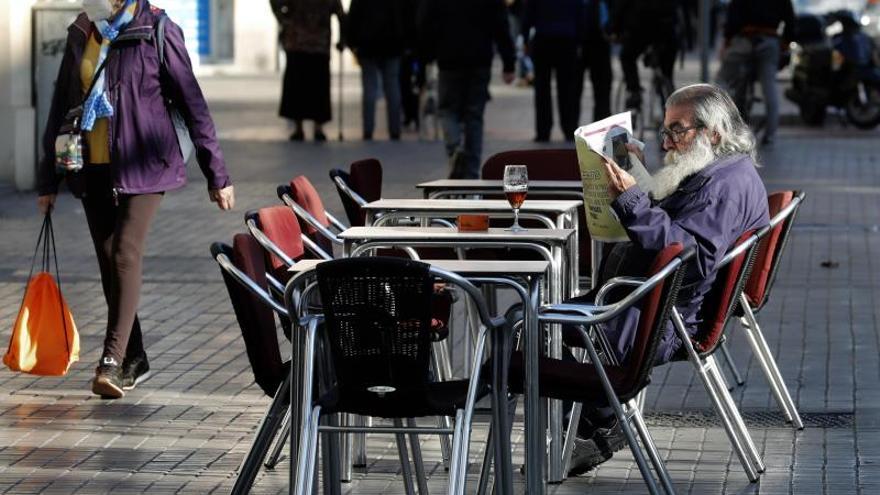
310, 414
752, 329
628, 413
706, 367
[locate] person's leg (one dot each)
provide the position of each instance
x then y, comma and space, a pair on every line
541, 55
370, 88
601, 77
629, 55
450, 98
477, 96
767, 60
734, 70
133, 218
390, 77
567, 93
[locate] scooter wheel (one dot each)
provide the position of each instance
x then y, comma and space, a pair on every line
864, 114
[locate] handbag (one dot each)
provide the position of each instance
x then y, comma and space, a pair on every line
44, 339
184, 140
68, 141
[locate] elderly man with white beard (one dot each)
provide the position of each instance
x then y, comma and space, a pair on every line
706, 195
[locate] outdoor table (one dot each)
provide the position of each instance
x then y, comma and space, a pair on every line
552, 244
559, 214
444, 188
525, 278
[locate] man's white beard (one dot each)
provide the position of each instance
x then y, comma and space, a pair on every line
679, 166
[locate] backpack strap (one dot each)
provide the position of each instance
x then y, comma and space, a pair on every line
160, 38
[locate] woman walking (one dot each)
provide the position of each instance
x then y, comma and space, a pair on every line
305, 36
111, 72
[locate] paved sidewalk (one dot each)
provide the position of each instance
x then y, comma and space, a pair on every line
187, 428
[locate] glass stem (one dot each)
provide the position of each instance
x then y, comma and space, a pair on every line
516, 219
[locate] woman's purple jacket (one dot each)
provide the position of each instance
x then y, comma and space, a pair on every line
144, 154
710, 210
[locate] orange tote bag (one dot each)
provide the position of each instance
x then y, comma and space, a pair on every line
44, 339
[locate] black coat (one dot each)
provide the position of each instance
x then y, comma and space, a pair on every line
380, 28
463, 34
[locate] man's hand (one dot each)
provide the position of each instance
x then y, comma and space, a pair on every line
619, 179
46, 203
508, 77
225, 198
636, 150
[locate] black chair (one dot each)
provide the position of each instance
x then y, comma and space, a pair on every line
377, 334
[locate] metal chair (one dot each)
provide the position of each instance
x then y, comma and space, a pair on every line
599, 383
783, 209
377, 326
243, 269
357, 187
716, 309
319, 226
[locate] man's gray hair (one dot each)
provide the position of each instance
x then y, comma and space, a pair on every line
714, 109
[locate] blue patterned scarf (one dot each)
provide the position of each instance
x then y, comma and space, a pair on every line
97, 105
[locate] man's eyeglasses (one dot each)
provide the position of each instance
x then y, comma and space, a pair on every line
675, 134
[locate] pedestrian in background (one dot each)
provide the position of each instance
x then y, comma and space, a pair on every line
462, 36
751, 48
553, 49
640, 24
131, 156
305, 37
377, 34
594, 55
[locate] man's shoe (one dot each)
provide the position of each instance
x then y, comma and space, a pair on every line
610, 438
297, 136
585, 456
134, 371
108, 379
320, 137
540, 138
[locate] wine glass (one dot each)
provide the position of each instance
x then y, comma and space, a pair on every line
516, 186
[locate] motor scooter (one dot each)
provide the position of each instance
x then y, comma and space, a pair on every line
835, 64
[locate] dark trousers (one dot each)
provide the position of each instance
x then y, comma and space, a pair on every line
412, 80
462, 97
119, 233
555, 55
634, 44
595, 56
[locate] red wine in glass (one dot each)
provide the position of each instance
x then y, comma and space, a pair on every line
516, 186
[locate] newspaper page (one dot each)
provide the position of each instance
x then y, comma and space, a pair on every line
606, 138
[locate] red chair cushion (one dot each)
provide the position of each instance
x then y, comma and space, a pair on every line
281, 227
719, 301
305, 195
542, 164
768, 252
366, 178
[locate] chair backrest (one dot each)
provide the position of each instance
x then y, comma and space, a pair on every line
304, 194
770, 249
280, 225
546, 164
364, 179
654, 311
255, 317
722, 298
542, 164
378, 320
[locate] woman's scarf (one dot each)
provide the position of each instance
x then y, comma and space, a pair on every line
97, 105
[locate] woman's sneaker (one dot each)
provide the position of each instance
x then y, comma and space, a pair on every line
108, 379
134, 371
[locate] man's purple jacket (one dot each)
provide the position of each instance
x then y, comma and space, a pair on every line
144, 153
709, 211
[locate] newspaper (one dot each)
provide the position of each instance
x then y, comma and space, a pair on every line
606, 138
